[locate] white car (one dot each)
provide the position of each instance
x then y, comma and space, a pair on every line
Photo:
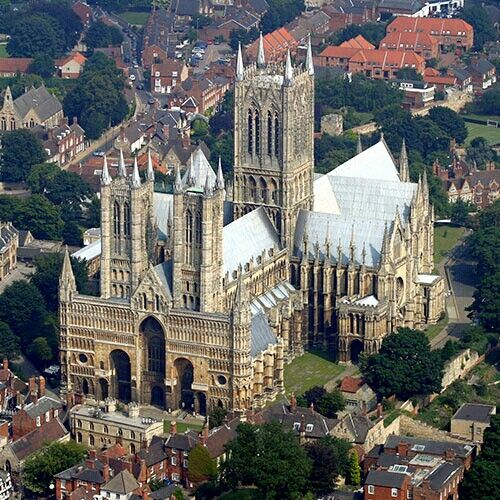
131, 78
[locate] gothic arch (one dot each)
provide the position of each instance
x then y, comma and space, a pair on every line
185, 377
154, 346
121, 382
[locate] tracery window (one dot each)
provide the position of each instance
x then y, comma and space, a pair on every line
276, 135
126, 219
269, 133
250, 133
257, 133
116, 219
156, 355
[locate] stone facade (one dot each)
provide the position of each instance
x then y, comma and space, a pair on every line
203, 300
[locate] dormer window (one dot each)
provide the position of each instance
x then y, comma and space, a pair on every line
38, 421
309, 427
296, 426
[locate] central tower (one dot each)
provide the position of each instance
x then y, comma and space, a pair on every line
273, 139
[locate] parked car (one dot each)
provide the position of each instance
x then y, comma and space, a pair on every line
131, 78
98, 153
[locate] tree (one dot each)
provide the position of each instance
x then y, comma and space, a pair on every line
478, 18
354, 470
269, 458
280, 12
41, 217
36, 34
46, 277
487, 301
459, 212
72, 233
450, 122
22, 307
40, 467
479, 152
217, 416
100, 34
405, 366
409, 74
42, 65
20, 151
331, 403
482, 480
330, 459
488, 103
201, 466
373, 32
243, 36
40, 352
9, 343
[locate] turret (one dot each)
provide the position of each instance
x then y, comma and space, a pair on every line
288, 77
241, 306
359, 146
105, 177
261, 58
122, 171
136, 179
404, 173
240, 70
150, 171
309, 58
67, 282
219, 184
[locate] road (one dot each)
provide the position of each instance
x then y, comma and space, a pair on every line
459, 272
21, 272
213, 54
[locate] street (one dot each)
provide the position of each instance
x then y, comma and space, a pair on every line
459, 270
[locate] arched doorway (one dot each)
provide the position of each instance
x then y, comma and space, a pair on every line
158, 396
102, 389
185, 376
121, 375
200, 403
356, 348
85, 386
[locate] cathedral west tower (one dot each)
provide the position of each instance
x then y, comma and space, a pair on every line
273, 140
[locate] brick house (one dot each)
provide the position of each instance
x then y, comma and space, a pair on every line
359, 396
153, 54
450, 33
463, 77
483, 74
206, 92
70, 66
177, 448
336, 57
166, 76
83, 11
441, 82
12, 389
9, 243
11, 66
421, 43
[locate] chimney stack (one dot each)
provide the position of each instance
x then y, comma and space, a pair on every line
293, 403
41, 385
144, 444
379, 410
5, 364
31, 385
173, 427
311, 407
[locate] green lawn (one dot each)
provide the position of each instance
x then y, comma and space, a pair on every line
445, 238
181, 427
491, 134
137, 18
3, 50
434, 330
310, 369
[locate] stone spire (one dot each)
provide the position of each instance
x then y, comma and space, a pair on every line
207, 190
220, 178
404, 174
261, 58
178, 181
288, 77
425, 185
359, 146
241, 305
67, 282
136, 179
8, 103
150, 171
352, 247
105, 177
339, 253
240, 70
309, 58
122, 171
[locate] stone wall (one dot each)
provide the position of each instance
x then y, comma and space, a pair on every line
378, 434
332, 124
458, 366
410, 427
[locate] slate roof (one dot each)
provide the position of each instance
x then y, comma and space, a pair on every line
440, 476
481, 66
183, 442
123, 483
430, 447
40, 100
262, 334
155, 452
477, 412
248, 237
386, 478
219, 436
43, 405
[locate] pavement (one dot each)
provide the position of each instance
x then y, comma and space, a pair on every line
213, 53
21, 272
458, 270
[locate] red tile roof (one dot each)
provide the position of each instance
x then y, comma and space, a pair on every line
429, 25
77, 56
276, 44
405, 40
388, 58
14, 64
358, 42
351, 384
341, 52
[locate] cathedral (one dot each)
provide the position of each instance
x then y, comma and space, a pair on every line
206, 292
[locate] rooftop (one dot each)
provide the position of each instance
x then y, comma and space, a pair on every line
476, 412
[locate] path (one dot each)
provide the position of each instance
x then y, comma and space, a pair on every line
21, 272
458, 270
349, 370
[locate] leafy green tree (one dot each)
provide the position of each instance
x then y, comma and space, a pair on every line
330, 459
100, 34
354, 470
482, 480
36, 34
242, 36
22, 307
405, 366
269, 458
42, 65
20, 151
373, 32
216, 417
487, 301
280, 12
331, 403
478, 18
40, 352
409, 74
97, 99
479, 152
449, 121
201, 466
41, 177
9, 343
41, 217
40, 467
47, 273
72, 233
459, 212
488, 103
199, 129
